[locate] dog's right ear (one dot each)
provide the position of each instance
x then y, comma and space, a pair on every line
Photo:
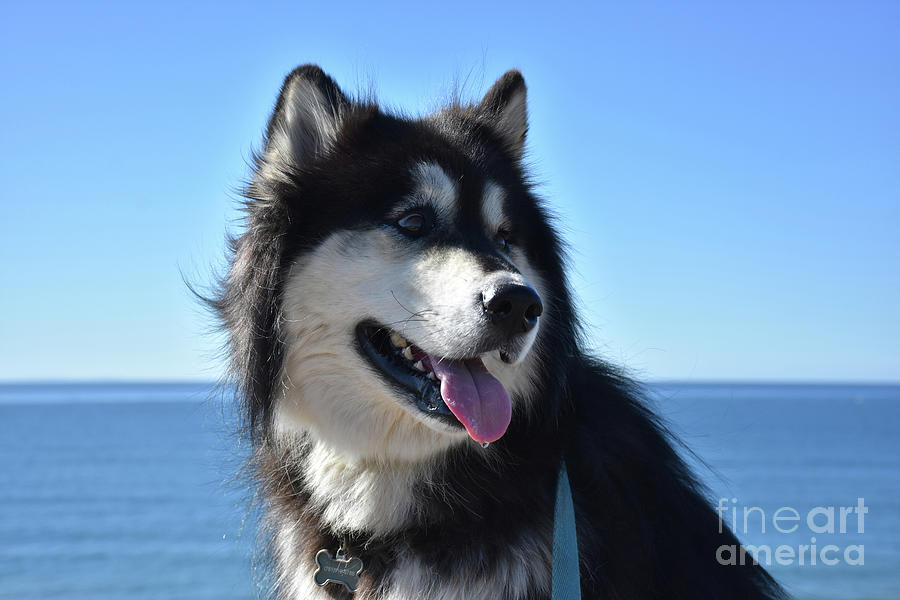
504, 107
307, 117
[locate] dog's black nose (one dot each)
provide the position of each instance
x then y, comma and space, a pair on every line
513, 307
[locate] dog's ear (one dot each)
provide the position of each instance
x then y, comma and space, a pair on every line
307, 117
504, 108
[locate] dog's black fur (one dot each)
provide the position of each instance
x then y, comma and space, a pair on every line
645, 527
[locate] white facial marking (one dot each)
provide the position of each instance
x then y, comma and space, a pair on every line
435, 187
492, 208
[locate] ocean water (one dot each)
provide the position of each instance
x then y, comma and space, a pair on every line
120, 491
131, 491
802, 449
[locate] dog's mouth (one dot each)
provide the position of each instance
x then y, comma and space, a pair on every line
459, 392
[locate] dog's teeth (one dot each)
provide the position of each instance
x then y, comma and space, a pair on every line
407, 353
431, 376
418, 366
398, 340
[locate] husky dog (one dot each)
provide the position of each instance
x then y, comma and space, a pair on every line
410, 365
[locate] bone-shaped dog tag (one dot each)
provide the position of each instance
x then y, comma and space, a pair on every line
337, 570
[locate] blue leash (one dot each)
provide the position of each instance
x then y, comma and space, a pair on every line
566, 574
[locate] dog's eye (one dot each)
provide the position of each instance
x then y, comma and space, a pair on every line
502, 239
413, 223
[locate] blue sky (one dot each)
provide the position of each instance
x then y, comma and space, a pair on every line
728, 176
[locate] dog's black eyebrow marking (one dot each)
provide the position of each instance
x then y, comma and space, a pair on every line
469, 201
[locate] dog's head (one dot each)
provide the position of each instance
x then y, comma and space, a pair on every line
398, 285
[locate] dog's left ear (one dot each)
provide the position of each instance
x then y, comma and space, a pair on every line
504, 108
307, 118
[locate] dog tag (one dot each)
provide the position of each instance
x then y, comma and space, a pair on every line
337, 570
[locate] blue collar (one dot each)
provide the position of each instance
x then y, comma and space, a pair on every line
566, 574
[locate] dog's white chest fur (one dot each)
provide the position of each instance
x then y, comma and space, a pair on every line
362, 496
378, 499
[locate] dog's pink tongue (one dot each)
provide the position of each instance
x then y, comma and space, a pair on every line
477, 399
